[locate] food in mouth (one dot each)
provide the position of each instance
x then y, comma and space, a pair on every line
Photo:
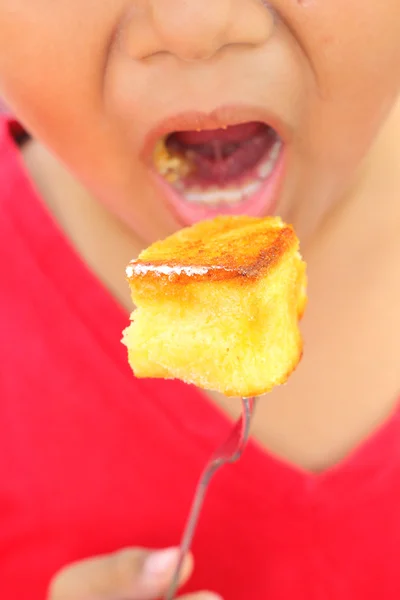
231, 170
218, 306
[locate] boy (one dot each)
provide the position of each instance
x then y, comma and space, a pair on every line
287, 107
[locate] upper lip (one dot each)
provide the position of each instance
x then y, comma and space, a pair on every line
220, 117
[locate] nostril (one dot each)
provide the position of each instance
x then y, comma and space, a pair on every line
194, 55
183, 28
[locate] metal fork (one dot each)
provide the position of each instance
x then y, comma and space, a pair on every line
229, 452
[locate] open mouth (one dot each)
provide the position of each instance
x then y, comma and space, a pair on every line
230, 170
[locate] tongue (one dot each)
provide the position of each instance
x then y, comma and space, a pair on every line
234, 133
223, 155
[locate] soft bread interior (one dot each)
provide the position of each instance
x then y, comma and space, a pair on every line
238, 337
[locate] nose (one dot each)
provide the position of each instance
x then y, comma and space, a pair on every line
196, 29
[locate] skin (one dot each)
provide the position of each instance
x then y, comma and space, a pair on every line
101, 75
130, 574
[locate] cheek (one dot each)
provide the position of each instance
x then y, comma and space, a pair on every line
52, 56
354, 49
52, 61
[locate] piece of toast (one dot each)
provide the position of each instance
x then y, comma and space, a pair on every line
218, 306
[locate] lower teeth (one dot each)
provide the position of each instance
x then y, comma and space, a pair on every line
265, 168
215, 195
234, 194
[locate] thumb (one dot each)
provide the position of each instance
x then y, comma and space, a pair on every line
130, 574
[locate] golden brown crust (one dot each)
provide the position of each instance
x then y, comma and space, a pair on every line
218, 306
225, 248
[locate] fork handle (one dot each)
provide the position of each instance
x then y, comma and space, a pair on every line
190, 527
202, 486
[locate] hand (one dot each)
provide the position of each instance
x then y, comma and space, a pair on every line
132, 574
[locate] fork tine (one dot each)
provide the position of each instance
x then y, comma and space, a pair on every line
229, 452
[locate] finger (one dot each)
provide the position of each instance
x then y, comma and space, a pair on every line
201, 596
131, 574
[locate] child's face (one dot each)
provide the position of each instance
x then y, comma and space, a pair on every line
100, 81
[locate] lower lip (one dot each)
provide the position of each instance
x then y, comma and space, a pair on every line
262, 203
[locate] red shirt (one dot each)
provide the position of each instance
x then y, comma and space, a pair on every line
93, 460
